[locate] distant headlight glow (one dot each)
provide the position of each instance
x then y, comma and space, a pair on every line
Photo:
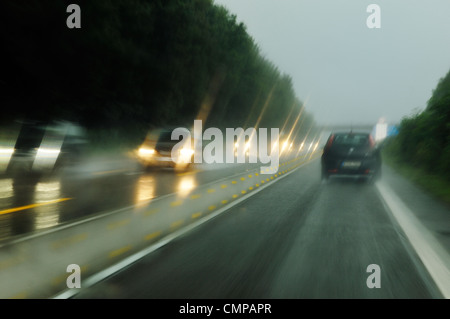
6, 150
146, 151
48, 151
186, 152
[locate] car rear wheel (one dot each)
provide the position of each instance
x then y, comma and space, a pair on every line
377, 175
324, 175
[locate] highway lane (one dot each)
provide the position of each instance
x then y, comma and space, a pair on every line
30, 203
35, 265
298, 238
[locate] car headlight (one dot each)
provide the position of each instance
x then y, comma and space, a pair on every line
186, 152
47, 152
6, 151
146, 151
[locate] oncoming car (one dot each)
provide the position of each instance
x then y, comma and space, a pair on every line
156, 150
351, 154
45, 147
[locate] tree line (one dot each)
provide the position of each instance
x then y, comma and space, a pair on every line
424, 138
135, 64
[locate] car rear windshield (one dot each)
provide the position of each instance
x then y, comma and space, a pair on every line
30, 137
166, 137
351, 140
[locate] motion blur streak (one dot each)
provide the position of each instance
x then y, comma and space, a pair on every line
186, 185
8, 139
6, 188
145, 190
49, 150
18, 209
47, 216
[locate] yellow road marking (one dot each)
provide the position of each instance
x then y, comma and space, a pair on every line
196, 215
176, 224
120, 223
152, 235
195, 196
12, 210
176, 203
119, 251
189, 173
68, 241
151, 212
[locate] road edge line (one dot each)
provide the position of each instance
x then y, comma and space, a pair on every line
430, 251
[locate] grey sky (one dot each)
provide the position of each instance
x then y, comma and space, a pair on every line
344, 71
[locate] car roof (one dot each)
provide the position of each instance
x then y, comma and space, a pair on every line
350, 132
168, 128
341, 133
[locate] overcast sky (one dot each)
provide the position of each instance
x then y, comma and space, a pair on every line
344, 71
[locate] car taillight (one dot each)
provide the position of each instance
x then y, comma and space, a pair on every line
371, 141
330, 141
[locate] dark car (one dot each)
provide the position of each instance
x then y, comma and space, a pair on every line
46, 146
351, 154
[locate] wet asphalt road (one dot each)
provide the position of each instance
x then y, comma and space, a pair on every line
31, 203
299, 238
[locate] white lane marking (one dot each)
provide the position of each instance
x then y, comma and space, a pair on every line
433, 255
96, 278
